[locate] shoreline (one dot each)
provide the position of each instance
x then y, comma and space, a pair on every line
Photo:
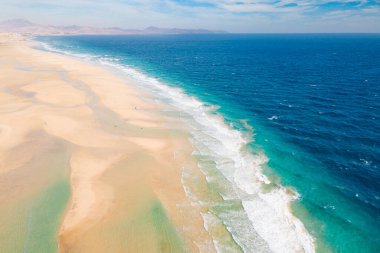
140, 154
248, 176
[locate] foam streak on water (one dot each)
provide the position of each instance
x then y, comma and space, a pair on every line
259, 221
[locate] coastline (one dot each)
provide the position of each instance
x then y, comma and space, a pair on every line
140, 154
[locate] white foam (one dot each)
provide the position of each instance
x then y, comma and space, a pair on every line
209, 222
272, 219
274, 117
48, 47
268, 214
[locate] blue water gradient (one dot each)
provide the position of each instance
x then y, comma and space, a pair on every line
314, 104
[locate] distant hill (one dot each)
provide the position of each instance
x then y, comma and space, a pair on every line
25, 26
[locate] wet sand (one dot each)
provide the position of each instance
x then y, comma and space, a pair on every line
89, 162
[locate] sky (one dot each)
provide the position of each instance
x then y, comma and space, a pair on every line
253, 16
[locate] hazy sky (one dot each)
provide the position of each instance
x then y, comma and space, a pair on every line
230, 15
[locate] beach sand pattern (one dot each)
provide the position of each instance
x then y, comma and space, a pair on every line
87, 161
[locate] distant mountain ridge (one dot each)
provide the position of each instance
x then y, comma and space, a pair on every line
25, 26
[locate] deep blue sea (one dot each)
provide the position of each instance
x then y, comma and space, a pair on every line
308, 104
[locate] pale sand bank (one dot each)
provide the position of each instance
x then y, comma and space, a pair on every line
81, 168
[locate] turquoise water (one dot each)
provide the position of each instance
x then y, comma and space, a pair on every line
303, 108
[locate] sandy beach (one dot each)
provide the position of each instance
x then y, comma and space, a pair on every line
89, 162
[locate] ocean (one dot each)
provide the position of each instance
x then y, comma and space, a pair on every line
274, 119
